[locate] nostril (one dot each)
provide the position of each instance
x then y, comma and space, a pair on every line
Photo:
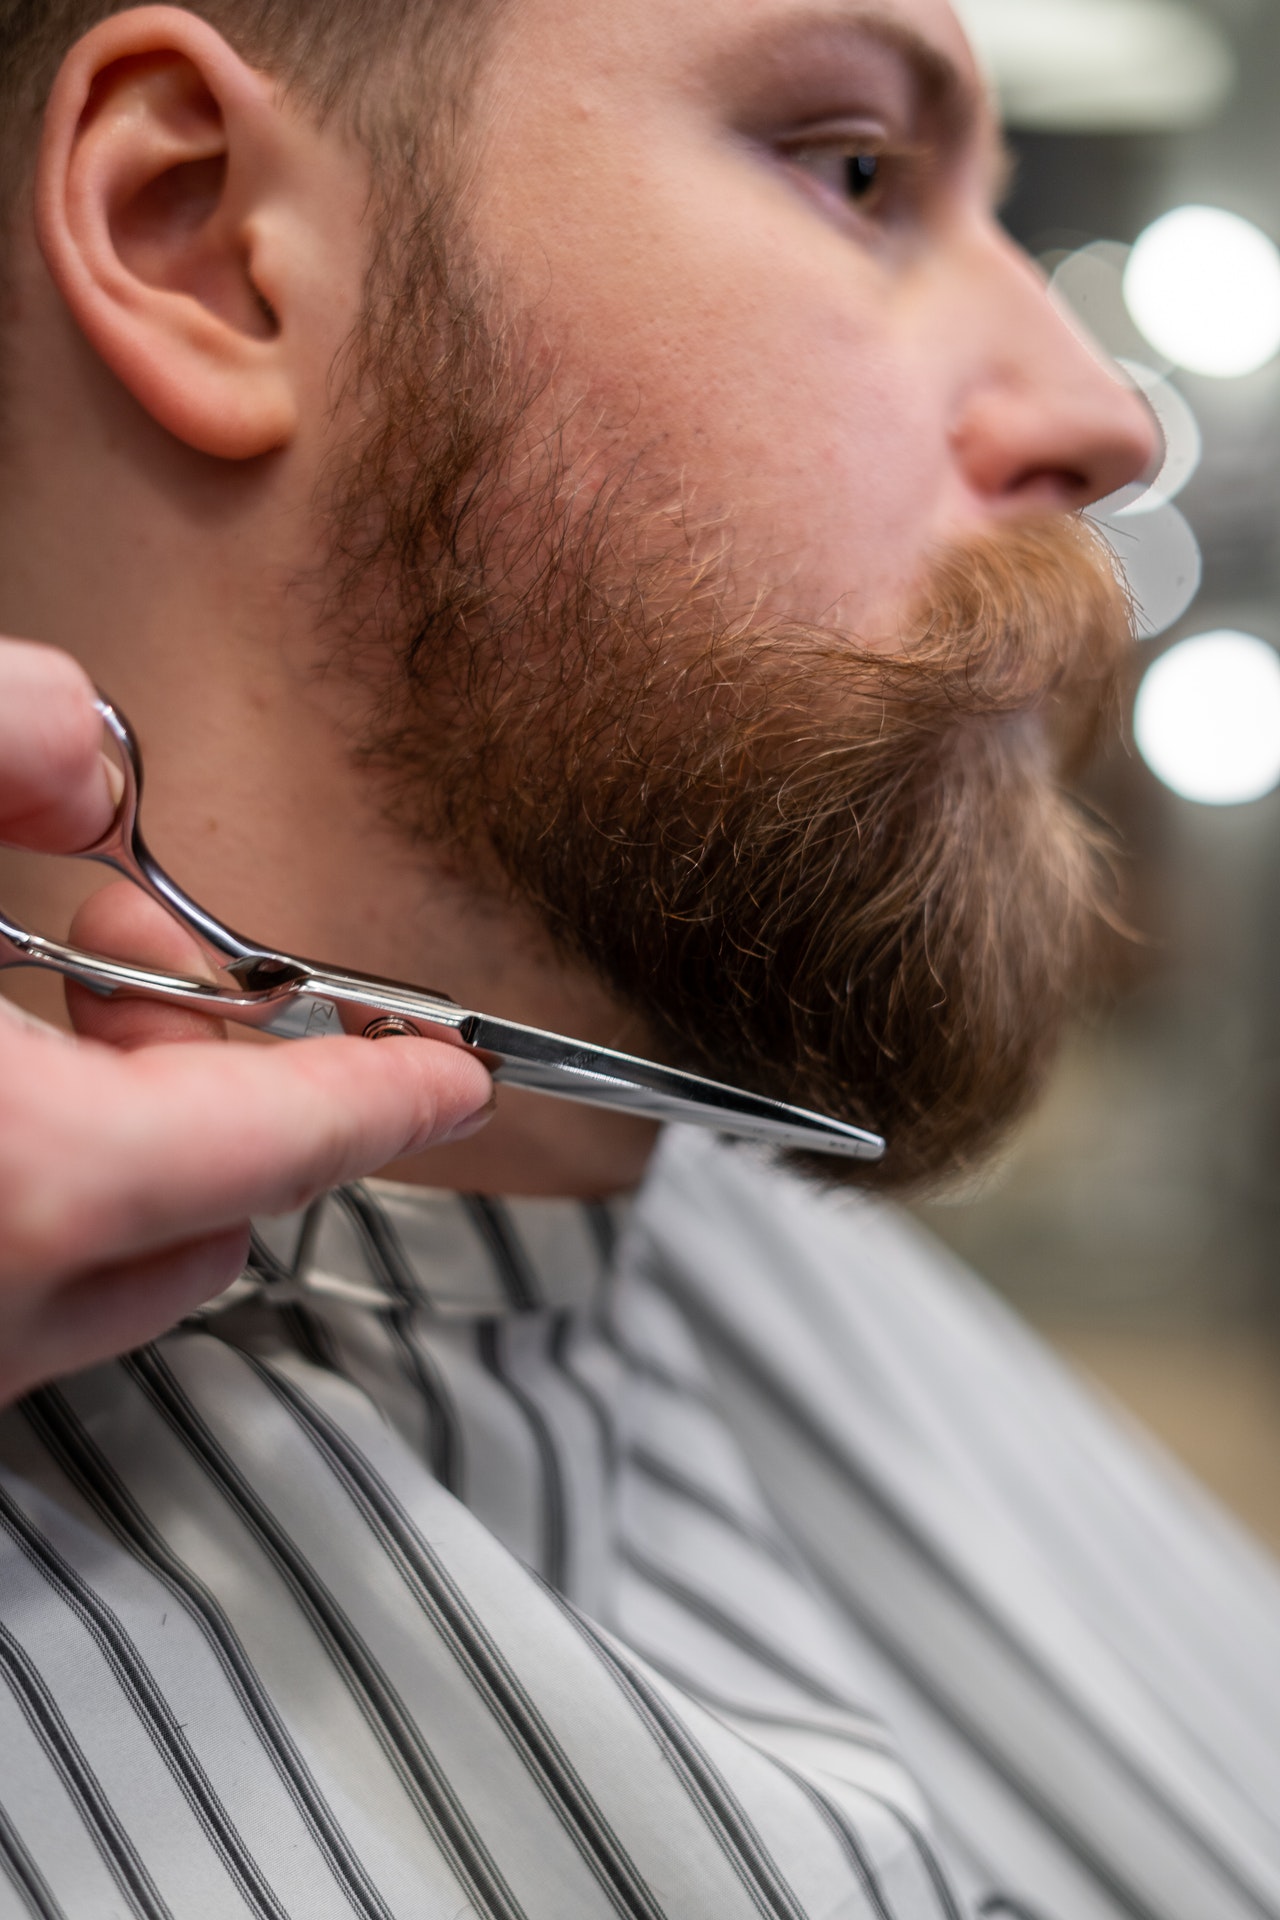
1052, 488
1027, 443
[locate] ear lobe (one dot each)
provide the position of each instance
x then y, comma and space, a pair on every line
157, 205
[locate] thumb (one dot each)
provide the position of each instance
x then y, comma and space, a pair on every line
122, 923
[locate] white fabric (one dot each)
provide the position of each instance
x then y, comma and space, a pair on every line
462, 1562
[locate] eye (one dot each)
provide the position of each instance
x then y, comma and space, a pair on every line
855, 169
862, 175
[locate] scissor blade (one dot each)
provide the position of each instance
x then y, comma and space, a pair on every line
572, 1070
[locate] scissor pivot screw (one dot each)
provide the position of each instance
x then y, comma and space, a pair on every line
388, 1027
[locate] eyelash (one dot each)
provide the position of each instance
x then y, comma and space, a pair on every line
867, 176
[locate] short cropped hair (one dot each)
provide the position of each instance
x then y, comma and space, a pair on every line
396, 73
381, 65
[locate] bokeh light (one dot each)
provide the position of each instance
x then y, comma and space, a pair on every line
1183, 441
1087, 286
1207, 718
1203, 286
1161, 560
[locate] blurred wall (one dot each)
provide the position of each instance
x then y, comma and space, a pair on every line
1135, 1215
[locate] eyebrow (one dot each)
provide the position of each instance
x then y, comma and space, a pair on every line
943, 90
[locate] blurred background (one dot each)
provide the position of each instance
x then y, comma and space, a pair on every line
1135, 1218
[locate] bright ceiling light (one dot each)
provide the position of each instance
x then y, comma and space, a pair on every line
1115, 66
1207, 718
1204, 287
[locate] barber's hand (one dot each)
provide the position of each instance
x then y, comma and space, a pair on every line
129, 1170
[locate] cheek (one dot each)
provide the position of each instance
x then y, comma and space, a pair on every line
792, 400
823, 437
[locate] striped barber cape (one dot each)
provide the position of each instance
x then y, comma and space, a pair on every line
728, 1556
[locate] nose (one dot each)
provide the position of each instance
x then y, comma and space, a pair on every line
1043, 422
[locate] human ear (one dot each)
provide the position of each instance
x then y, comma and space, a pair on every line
180, 217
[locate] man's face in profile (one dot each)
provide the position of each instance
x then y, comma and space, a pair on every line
755, 238
716, 516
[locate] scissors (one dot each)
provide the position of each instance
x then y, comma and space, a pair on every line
296, 999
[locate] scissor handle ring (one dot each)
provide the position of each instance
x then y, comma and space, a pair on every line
119, 844
123, 848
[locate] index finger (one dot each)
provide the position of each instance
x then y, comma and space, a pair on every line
113, 1155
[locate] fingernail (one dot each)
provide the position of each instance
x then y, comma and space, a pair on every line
115, 781
471, 1125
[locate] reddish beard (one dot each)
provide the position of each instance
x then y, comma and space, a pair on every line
851, 877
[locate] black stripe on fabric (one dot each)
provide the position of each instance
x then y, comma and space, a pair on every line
308, 1333
521, 1288
712, 1614
477, 1653
513, 1270
685, 1487
555, 1540
1128, 1898
854, 1728
928, 1854
304, 1247
76, 1455
24, 1875
310, 1337
859, 1482
564, 1327
853, 1734
271, 1266
391, 1264
264, 1264
394, 1728
117, 1851
1001, 1906
846, 1834
844, 1829
726, 1819
601, 1226
144, 1695
644, 1366
919, 1841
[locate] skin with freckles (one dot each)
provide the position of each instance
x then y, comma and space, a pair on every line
753, 246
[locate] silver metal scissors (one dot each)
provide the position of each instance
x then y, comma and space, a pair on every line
294, 999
